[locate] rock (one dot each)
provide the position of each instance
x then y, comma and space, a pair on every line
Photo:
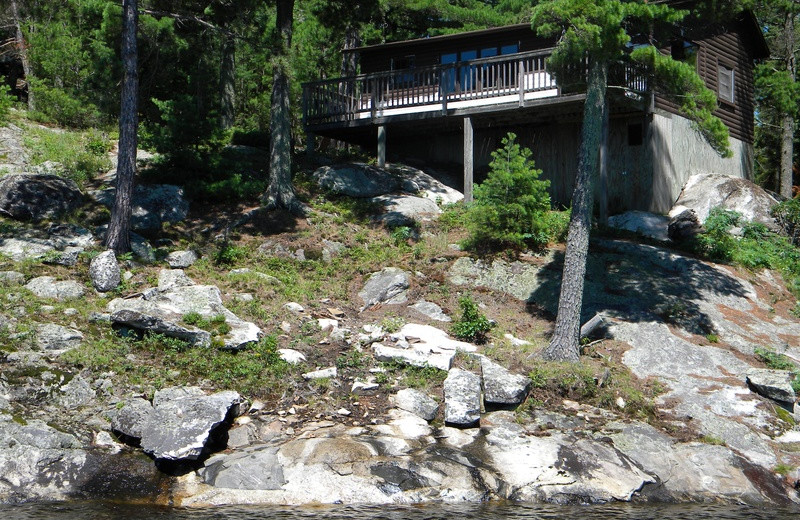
416, 402
11, 278
131, 419
462, 398
293, 357
501, 387
254, 468
356, 180
172, 278
37, 197
152, 205
705, 191
48, 287
294, 307
327, 324
104, 271
56, 244
518, 279
331, 249
516, 342
181, 259
405, 210
269, 279
425, 338
75, 394
648, 224
417, 182
683, 224
773, 384
431, 310
442, 361
142, 249
162, 310
320, 374
52, 337
363, 387
150, 323
386, 286
182, 422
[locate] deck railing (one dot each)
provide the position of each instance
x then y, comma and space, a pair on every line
513, 78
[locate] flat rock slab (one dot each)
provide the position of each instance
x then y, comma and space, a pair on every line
409, 356
180, 422
432, 311
52, 337
774, 384
386, 286
405, 210
416, 402
501, 387
60, 243
256, 468
181, 259
462, 398
37, 197
426, 338
49, 287
162, 310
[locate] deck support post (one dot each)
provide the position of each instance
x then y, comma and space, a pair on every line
468, 158
381, 146
311, 144
603, 199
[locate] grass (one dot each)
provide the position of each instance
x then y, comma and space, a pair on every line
81, 154
714, 441
778, 361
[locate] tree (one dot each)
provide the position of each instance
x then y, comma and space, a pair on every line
22, 52
599, 29
280, 192
118, 236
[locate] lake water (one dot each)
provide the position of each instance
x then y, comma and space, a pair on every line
101, 511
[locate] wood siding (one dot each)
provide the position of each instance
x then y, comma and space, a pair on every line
728, 47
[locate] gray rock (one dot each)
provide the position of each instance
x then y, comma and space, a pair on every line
152, 205
142, 249
648, 224
501, 387
431, 310
255, 468
321, 374
440, 360
181, 259
705, 191
19, 249
172, 278
462, 398
386, 286
147, 322
293, 357
773, 384
50, 336
49, 287
75, 394
331, 249
416, 402
684, 224
131, 419
405, 210
356, 180
11, 278
67, 257
104, 271
419, 183
37, 197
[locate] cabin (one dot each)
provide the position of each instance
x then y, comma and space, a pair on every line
450, 99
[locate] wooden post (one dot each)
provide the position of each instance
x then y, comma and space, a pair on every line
521, 82
603, 202
381, 146
468, 159
311, 143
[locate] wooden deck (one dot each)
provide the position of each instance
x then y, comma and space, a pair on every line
459, 89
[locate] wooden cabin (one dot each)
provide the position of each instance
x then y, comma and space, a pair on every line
450, 99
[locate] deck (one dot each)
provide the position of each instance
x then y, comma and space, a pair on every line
458, 89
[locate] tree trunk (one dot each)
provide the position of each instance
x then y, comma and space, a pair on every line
787, 120
280, 192
22, 50
227, 82
564, 344
352, 39
118, 236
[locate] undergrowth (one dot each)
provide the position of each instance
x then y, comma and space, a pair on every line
778, 361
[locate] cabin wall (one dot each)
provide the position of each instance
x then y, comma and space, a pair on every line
677, 151
728, 46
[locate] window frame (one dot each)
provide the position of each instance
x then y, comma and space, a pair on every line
727, 96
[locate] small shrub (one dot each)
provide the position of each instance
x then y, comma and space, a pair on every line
783, 469
787, 215
402, 234
717, 243
392, 324
228, 254
57, 106
511, 204
714, 441
6, 102
472, 325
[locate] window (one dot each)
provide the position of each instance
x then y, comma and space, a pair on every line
725, 83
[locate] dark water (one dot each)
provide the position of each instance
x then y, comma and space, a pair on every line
102, 511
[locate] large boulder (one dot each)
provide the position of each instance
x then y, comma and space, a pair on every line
180, 424
104, 271
705, 191
356, 180
52, 337
683, 224
37, 197
774, 384
405, 210
163, 309
501, 387
416, 402
152, 205
49, 287
386, 286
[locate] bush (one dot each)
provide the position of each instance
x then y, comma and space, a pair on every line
510, 205
472, 325
787, 215
6, 102
717, 243
56, 106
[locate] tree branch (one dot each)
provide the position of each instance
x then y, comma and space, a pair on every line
188, 18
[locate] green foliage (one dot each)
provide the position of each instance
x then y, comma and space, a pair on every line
783, 469
229, 254
511, 204
717, 243
353, 359
82, 155
6, 102
55, 105
778, 361
787, 215
712, 440
402, 234
472, 325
